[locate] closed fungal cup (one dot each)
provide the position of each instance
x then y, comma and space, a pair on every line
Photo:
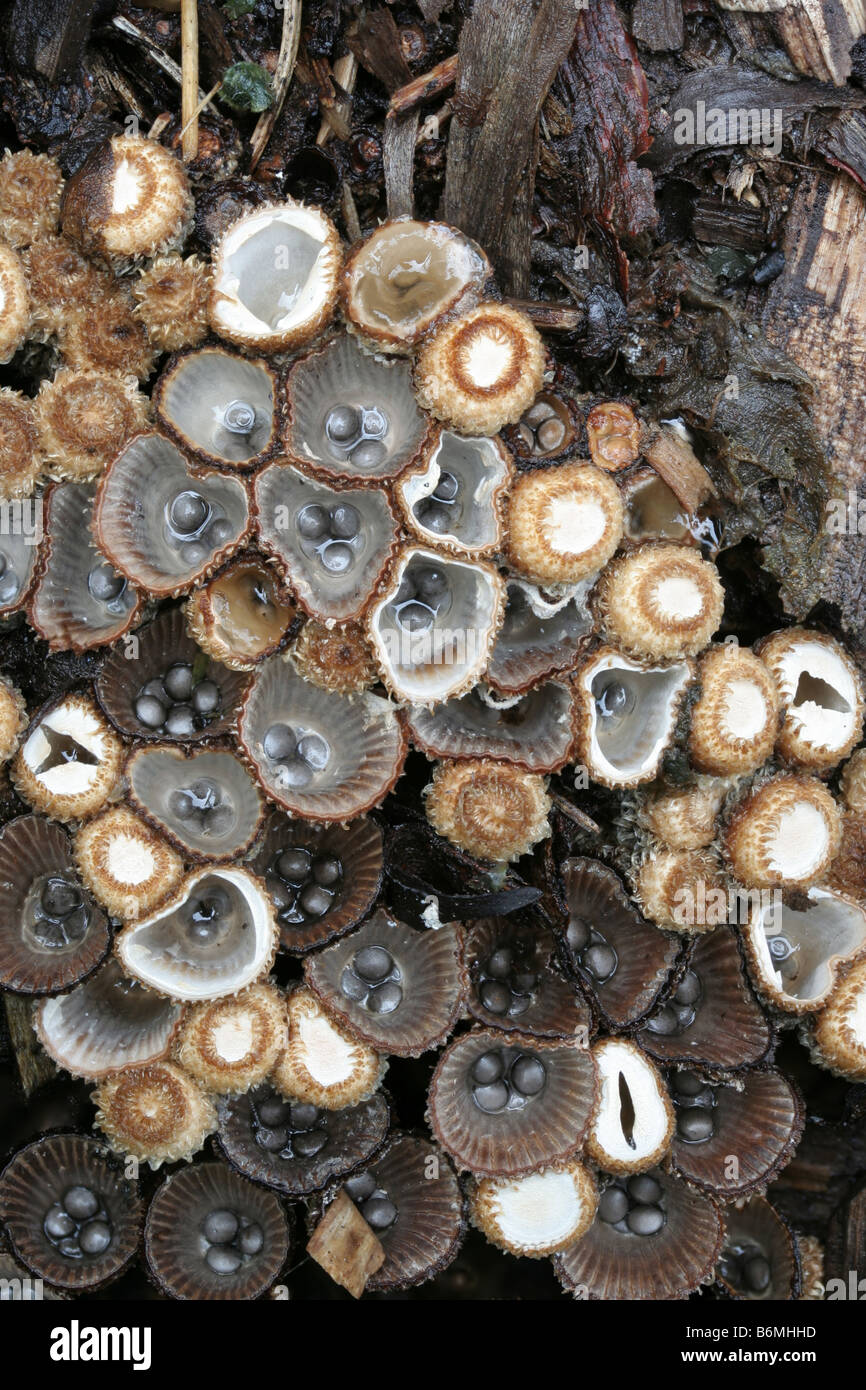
482, 370
129, 200
660, 601
633, 1122
564, 523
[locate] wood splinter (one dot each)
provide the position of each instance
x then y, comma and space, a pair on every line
189, 86
345, 1246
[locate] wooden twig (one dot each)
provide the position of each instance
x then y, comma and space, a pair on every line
398, 157
168, 65
549, 316
376, 45
205, 101
350, 215
422, 88
289, 42
189, 83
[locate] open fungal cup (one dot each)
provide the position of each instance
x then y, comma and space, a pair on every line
407, 277
242, 614
275, 277
213, 938
626, 715
433, 624
220, 408
52, 933
455, 499
203, 801
353, 418
107, 1024
333, 548
162, 524
321, 756
80, 600
797, 953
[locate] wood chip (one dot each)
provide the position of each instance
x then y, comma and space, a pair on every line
816, 34
345, 1246
548, 316
49, 36
35, 1067
674, 459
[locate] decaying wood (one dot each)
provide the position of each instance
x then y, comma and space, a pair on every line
398, 158
724, 222
35, 1067
817, 34
431, 9
422, 88
345, 1246
658, 24
738, 89
337, 109
350, 214
49, 36
376, 45
674, 459
816, 312
291, 38
508, 56
189, 69
162, 60
843, 144
598, 115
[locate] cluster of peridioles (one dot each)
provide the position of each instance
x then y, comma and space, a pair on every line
387, 526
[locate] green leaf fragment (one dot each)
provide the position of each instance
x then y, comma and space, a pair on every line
247, 87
